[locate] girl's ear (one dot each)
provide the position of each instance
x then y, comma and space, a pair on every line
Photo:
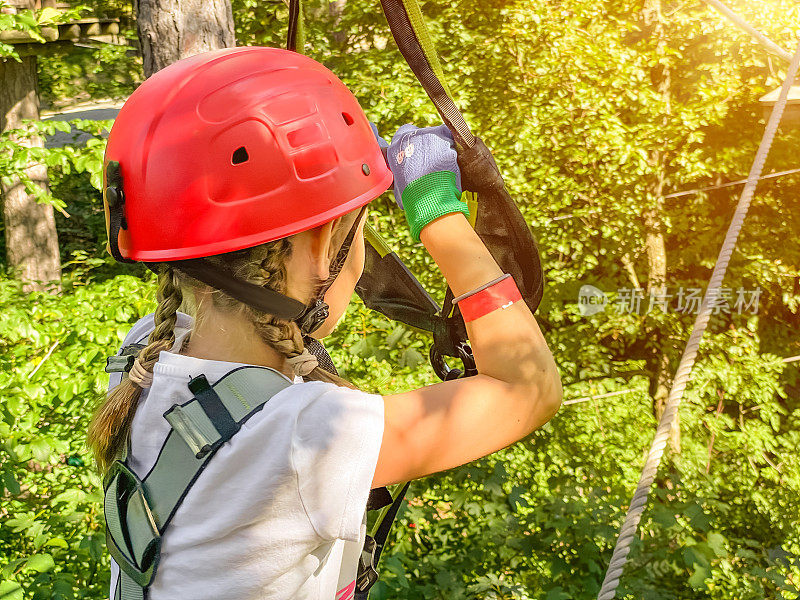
322, 248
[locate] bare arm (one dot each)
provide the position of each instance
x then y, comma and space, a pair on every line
518, 388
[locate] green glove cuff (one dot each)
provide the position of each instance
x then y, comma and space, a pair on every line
430, 197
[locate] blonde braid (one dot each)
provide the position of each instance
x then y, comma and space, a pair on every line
169, 298
284, 336
265, 265
110, 426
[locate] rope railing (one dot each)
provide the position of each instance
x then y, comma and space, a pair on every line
597, 397
627, 532
722, 186
617, 393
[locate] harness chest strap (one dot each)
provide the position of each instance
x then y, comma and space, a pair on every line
138, 511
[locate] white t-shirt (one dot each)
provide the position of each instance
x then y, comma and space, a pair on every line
278, 513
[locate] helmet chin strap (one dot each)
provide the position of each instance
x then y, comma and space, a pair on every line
260, 298
308, 318
316, 314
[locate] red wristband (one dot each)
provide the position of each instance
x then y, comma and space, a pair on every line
499, 295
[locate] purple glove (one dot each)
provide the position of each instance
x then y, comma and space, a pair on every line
427, 180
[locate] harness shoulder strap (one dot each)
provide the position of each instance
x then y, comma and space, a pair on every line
374, 544
138, 511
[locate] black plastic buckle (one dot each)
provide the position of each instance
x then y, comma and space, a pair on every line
313, 318
367, 568
114, 197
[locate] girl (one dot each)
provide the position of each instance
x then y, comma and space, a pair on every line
241, 176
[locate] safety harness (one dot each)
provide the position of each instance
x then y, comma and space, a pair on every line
138, 511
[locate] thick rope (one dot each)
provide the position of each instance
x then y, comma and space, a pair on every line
745, 26
640, 496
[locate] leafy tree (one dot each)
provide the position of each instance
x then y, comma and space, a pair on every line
598, 112
30, 235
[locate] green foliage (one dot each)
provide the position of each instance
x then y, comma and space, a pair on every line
93, 72
104, 72
570, 97
52, 355
31, 22
88, 158
378, 355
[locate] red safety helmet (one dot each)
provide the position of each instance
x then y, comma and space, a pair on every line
234, 148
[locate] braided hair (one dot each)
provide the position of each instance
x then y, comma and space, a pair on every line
111, 424
263, 265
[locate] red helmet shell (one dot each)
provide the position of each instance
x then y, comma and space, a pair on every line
237, 147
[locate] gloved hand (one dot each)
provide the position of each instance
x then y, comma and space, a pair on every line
427, 181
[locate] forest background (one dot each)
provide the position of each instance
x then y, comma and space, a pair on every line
598, 112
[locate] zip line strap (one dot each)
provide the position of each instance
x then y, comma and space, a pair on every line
498, 220
411, 34
417, 22
295, 35
682, 376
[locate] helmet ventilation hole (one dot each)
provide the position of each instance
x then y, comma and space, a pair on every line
348, 119
240, 155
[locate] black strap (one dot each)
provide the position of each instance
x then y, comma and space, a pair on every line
411, 49
367, 575
294, 20
214, 408
316, 348
382, 532
317, 313
337, 264
255, 296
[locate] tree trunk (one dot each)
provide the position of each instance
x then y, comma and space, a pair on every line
170, 30
658, 364
30, 227
336, 9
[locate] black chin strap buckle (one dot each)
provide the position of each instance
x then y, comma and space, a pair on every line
115, 200
313, 318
